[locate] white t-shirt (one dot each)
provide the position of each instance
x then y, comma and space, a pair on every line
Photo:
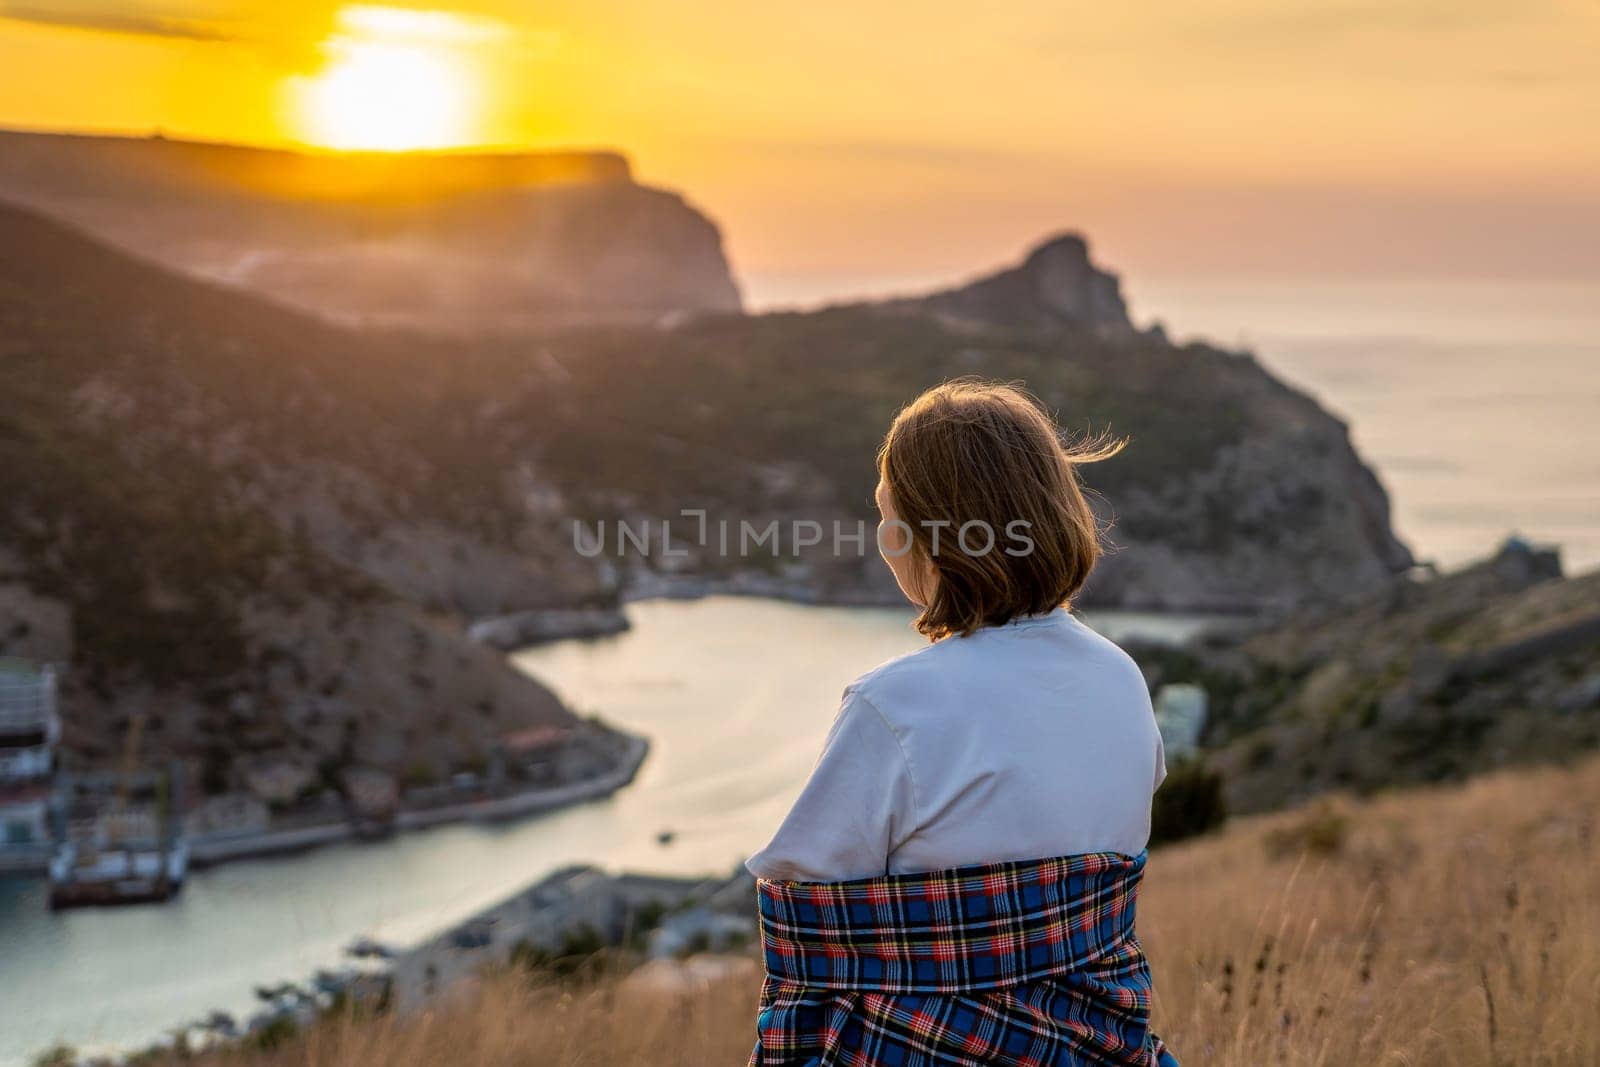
1023, 741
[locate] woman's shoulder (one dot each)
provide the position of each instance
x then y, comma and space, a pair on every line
881, 681
991, 657
931, 669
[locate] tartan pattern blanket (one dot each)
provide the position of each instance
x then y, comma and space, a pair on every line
1030, 964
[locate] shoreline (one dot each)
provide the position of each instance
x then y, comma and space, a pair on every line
219, 850
215, 850
517, 630
656, 917
763, 585
617, 906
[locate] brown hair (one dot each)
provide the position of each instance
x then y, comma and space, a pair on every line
971, 462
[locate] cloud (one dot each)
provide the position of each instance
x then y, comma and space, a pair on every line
102, 18
291, 29
422, 27
1254, 23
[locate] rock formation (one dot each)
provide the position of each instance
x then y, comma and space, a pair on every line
1055, 287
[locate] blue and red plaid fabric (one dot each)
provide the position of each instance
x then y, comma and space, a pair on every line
1029, 964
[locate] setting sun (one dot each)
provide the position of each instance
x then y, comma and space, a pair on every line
387, 97
395, 79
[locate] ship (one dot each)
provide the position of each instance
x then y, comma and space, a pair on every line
119, 839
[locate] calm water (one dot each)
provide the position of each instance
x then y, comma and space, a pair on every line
736, 695
1478, 403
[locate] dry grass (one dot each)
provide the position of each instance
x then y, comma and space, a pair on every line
1457, 925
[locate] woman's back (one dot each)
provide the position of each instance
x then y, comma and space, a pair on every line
1030, 739
957, 881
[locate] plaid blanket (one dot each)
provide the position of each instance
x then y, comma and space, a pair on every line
1032, 964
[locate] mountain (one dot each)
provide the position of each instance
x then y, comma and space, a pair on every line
1054, 287
276, 533
445, 242
1236, 493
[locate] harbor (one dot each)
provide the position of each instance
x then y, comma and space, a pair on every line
129, 836
108, 980
101, 839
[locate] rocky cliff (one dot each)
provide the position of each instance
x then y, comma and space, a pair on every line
1055, 287
444, 242
1236, 492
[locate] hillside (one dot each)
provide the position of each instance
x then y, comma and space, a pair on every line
211, 508
1408, 929
447, 242
1434, 678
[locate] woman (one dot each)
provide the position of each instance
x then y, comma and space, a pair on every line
956, 882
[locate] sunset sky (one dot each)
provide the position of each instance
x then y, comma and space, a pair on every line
862, 144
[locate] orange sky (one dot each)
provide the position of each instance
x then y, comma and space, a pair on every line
851, 144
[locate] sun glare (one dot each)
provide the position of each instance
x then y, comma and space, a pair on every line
395, 79
387, 96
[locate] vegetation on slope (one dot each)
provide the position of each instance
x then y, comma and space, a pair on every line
189, 476
1432, 679
1235, 491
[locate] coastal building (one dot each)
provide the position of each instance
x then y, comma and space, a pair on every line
230, 815
373, 797
30, 729
279, 782
530, 755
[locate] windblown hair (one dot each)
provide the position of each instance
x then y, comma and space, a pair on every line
985, 458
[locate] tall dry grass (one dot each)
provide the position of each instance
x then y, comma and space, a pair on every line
1457, 925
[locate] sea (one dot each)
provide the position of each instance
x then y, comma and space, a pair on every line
1478, 405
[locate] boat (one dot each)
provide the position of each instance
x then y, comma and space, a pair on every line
119, 839
85, 877
366, 948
